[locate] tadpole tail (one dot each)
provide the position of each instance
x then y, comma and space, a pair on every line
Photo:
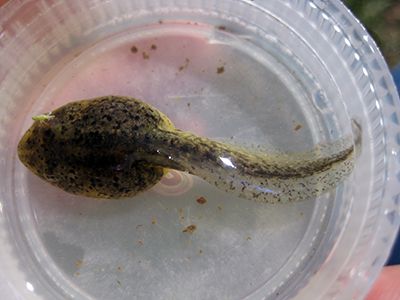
266, 177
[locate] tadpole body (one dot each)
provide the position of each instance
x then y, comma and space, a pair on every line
116, 147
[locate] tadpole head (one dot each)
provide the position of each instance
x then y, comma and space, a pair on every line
87, 147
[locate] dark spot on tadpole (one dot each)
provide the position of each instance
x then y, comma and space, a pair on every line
221, 27
190, 229
220, 70
153, 47
134, 49
201, 200
185, 148
145, 55
160, 22
188, 104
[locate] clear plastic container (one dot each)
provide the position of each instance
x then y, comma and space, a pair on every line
282, 75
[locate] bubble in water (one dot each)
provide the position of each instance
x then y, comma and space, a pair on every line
174, 183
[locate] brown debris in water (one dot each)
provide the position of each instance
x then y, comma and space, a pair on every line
201, 200
134, 49
190, 229
145, 55
298, 127
185, 65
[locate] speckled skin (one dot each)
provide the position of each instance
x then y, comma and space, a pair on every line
85, 147
115, 147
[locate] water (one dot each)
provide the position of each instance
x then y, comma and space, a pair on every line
213, 84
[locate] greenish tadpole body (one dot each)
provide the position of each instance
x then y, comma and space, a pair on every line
116, 147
